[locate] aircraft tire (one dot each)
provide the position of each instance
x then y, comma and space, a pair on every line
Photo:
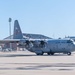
48, 53
52, 53
69, 53
39, 53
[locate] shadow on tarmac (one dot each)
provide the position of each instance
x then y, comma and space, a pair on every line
23, 55
40, 66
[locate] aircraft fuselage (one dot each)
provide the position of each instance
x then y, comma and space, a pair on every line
54, 46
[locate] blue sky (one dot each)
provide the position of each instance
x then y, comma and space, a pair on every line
53, 18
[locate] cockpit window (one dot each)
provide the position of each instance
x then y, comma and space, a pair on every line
69, 41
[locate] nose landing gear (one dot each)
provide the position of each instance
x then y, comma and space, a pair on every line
69, 53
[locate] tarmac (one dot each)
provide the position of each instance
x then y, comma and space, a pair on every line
27, 63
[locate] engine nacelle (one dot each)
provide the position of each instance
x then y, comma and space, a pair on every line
32, 43
42, 44
39, 43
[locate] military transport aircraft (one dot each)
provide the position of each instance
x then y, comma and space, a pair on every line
41, 46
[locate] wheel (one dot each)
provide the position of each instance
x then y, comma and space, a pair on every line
39, 53
48, 53
69, 53
52, 53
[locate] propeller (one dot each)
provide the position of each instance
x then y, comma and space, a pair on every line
25, 43
32, 43
28, 44
42, 43
38, 43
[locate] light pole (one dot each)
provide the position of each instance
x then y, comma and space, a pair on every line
10, 31
10, 27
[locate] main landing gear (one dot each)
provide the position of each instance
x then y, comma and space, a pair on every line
43, 53
50, 53
40, 53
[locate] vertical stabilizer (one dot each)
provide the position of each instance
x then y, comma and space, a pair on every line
17, 31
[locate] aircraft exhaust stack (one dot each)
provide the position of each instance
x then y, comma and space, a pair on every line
17, 34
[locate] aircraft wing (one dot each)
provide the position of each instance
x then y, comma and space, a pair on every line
10, 41
24, 41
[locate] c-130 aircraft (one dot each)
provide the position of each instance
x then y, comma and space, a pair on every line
41, 46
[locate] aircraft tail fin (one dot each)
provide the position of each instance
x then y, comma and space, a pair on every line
17, 31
